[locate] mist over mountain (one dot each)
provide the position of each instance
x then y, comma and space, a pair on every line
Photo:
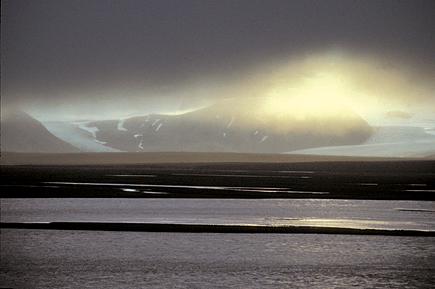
22, 133
228, 127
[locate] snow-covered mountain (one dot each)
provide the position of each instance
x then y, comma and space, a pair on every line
224, 127
238, 127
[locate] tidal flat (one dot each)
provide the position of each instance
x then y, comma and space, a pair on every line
208, 178
327, 208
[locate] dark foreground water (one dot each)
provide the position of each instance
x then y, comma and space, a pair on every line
91, 259
98, 259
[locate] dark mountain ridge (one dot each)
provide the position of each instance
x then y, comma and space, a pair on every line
22, 133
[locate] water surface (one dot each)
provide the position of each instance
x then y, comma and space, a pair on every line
100, 259
374, 214
92, 259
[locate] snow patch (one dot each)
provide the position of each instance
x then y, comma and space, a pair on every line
429, 130
263, 139
159, 126
141, 144
231, 122
121, 125
93, 130
155, 121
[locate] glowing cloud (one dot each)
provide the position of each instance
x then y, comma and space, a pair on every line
363, 83
332, 86
329, 93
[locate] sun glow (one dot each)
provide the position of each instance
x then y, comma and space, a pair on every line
321, 97
335, 85
331, 93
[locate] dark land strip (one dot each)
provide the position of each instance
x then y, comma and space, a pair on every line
388, 180
189, 228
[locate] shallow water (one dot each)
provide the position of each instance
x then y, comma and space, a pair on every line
98, 259
91, 259
409, 215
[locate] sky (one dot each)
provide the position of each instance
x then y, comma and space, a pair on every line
107, 59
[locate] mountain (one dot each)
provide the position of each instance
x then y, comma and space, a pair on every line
228, 127
22, 133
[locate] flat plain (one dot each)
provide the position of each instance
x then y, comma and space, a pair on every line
214, 175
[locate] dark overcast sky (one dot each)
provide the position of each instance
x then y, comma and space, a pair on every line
49, 47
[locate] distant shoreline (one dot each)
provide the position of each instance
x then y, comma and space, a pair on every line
14, 158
